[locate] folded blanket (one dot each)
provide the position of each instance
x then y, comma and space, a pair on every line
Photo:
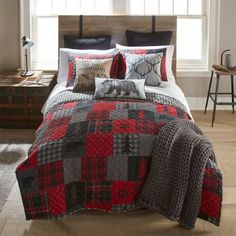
174, 183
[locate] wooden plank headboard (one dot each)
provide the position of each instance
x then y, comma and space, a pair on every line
116, 26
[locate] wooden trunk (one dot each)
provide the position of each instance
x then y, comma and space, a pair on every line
20, 106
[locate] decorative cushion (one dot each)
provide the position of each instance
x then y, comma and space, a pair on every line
115, 68
147, 67
166, 64
148, 39
125, 52
100, 42
110, 88
87, 70
64, 54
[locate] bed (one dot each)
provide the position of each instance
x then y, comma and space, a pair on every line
96, 153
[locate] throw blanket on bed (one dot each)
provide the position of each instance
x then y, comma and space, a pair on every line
174, 183
95, 154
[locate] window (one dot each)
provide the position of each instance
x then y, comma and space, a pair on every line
192, 24
44, 25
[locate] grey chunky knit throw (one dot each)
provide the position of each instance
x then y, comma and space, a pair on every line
174, 182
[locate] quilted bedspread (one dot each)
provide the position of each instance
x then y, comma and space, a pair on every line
95, 154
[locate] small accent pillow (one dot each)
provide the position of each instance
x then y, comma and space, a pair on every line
114, 88
143, 51
167, 59
87, 70
147, 67
115, 68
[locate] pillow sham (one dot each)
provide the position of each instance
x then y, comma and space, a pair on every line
87, 70
64, 54
98, 42
114, 72
147, 67
166, 65
110, 88
148, 39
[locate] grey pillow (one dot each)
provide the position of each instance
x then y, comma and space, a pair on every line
145, 66
114, 88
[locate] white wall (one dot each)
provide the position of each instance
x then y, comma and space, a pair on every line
228, 26
9, 35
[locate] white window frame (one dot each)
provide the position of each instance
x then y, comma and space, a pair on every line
210, 47
211, 26
28, 19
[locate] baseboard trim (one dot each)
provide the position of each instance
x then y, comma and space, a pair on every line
198, 103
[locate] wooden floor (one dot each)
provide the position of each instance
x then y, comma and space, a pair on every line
142, 222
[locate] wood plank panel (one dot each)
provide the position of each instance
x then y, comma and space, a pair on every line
115, 26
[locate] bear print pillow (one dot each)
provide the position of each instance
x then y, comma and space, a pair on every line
114, 88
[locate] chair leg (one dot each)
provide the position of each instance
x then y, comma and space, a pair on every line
232, 91
209, 91
215, 101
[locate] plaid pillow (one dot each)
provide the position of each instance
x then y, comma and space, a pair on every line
115, 67
122, 69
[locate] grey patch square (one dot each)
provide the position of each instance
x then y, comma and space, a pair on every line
50, 152
117, 168
126, 105
72, 170
27, 181
146, 143
74, 148
119, 115
126, 144
78, 117
62, 113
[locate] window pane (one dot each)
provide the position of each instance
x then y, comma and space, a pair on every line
195, 7
58, 6
189, 39
104, 8
136, 7
166, 7
151, 7
87, 7
43, 7
46, 41
180, 7
73, 7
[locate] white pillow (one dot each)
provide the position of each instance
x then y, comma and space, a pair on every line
169, 57
64, 59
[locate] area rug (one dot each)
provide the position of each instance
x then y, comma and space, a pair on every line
12, 152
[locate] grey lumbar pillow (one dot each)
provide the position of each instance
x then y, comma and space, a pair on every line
147, 67
114, 88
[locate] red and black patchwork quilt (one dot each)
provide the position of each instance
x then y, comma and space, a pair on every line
95, 155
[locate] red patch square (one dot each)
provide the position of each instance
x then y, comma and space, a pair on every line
124, 126
50, 175
48, 117
98, 115
124, 192
58, 128
163, 69
99, 145
57, 201
172, 111
98, 206
210, 204
104, 106
94, 169
69, 105
31, 162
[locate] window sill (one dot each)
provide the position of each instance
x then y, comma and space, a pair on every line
193, 72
